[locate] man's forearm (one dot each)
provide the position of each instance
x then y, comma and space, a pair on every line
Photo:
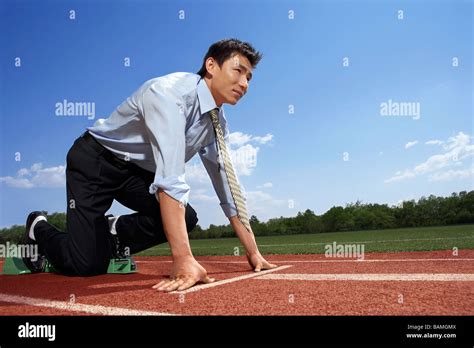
247, 239
174, 224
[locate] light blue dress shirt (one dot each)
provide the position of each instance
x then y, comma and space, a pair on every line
163, 125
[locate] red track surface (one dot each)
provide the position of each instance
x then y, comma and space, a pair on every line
256, 296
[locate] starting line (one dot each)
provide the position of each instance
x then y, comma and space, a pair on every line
230, 280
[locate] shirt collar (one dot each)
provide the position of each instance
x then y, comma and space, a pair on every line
206, 100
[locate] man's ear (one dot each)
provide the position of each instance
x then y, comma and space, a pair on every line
210, 65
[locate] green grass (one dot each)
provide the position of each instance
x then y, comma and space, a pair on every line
393, 240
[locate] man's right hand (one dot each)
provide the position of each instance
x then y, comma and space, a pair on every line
185, 273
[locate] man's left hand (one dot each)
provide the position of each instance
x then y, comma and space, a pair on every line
258, 263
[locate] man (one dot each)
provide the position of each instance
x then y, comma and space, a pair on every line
137, 156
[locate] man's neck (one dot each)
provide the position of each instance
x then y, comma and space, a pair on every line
209, 85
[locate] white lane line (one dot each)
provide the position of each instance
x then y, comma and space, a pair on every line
319, 261
76, 307
373, 277
230, 280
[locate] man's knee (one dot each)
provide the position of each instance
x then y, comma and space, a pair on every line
191, 218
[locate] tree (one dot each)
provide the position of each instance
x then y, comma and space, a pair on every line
333, 219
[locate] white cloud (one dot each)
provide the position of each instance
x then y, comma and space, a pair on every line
456, 149
263, 140
434, 142
200, 195
16, 182
452, 174
243, 153
244, 159
259, 196
23, 172
265, 185
399, 176
37, 166
400, 201
410, 144
195, 172
239, 139
265, 206
458, 141
37, 176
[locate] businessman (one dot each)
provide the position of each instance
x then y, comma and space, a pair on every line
137, 156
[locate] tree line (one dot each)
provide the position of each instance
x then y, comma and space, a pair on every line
427, 211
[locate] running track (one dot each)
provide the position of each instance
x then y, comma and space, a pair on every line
409, 283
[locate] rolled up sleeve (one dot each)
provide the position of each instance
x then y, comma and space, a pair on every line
166, 123
211, 160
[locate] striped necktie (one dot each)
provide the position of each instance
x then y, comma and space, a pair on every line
229, 171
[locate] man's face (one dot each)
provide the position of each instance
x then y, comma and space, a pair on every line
229, 82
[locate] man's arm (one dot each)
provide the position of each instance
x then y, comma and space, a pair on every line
218, 177
186, 270
247, 239
254, 257
174, 224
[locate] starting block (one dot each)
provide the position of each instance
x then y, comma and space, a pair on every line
122, 266
16, 266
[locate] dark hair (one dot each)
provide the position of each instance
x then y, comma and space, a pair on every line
223, 49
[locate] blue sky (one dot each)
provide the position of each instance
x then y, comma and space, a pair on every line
333, 63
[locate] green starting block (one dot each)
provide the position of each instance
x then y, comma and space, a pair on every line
122, 266
16, 266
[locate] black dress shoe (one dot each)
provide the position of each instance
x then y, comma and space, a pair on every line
35, 263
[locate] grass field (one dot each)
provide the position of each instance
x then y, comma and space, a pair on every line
393, 240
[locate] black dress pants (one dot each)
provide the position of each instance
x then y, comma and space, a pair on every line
94, 178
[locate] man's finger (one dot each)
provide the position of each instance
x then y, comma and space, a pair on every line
258, 268
208, 280
162, 286
159, 284
172, 284
166, 285
175, 285
190, 282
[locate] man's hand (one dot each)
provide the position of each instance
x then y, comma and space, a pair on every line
186, 270
185, 273
255, 259
258, 263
